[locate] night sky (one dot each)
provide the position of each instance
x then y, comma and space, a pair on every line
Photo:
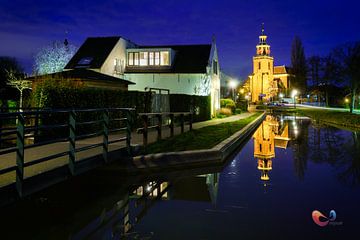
26, 25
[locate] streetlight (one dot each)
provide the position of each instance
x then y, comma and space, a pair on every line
233, 85
247, 100
293, 94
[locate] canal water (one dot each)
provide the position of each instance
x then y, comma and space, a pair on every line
282, 184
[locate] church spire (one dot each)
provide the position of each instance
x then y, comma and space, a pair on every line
263, 48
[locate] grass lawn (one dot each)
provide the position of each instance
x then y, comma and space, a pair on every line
345, 120
203, 138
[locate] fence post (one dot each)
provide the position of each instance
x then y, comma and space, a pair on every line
72, 138
145, 130
171, 125
190, 121
20, 153
182, 122
159, 127
105, 134
128, 131
36, 125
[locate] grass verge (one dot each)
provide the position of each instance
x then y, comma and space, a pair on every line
203, 138
343, 120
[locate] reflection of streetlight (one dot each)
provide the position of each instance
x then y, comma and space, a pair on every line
233, 85
293, 94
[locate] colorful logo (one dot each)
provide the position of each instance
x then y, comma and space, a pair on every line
321, 220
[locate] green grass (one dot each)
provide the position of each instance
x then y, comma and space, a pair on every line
344, 120
203, 138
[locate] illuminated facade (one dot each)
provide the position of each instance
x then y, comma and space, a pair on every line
180, 69
266, 81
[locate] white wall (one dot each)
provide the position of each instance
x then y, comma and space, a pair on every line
192, 84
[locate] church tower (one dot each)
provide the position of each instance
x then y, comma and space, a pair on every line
262, 79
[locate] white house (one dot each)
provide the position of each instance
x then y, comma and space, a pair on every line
182, 69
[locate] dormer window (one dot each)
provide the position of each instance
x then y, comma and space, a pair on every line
149, 58
164, 58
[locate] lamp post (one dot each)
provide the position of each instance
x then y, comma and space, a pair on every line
293, 94
233, 85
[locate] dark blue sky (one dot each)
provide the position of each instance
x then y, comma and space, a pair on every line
26, 25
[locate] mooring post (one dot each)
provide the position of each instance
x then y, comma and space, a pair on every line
159, 126
72, 139
20, 133
105, 134
171, 124
128, 131
182, 122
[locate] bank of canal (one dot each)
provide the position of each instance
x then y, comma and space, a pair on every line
288, 169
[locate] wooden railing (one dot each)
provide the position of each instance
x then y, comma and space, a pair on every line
159, 117
23, 130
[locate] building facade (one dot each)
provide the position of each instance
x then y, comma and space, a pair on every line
267, 81
179, 69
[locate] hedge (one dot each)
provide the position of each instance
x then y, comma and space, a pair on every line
199, 105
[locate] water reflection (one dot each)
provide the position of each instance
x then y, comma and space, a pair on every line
120, 222
272, 133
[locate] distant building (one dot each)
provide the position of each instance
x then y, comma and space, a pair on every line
267, 80
181, 69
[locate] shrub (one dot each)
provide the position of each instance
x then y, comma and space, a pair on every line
225, 111
238, 111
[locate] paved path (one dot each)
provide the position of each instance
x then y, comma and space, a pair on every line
32, 154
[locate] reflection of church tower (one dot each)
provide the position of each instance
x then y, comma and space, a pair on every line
261, 83
264, 147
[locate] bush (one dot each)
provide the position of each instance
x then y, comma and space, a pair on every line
225, 111
238, 111
226, 101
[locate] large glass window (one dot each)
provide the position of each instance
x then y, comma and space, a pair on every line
136, 59
157, 58
143, 58
131, 59
164, 58
151, 58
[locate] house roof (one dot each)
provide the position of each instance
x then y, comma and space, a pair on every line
93, 52
281, 70
83, 74
188, 59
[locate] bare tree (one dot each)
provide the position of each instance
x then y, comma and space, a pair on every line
53, 58
19, 83
347, 61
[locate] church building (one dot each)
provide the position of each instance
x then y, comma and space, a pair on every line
267, 80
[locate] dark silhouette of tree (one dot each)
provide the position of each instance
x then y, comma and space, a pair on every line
298, 65
347, 61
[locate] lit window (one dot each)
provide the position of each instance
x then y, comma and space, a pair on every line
164, 57
131, 58
157, 58
136, 59
151, 58
143, 58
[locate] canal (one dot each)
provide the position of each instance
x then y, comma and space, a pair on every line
291, 172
